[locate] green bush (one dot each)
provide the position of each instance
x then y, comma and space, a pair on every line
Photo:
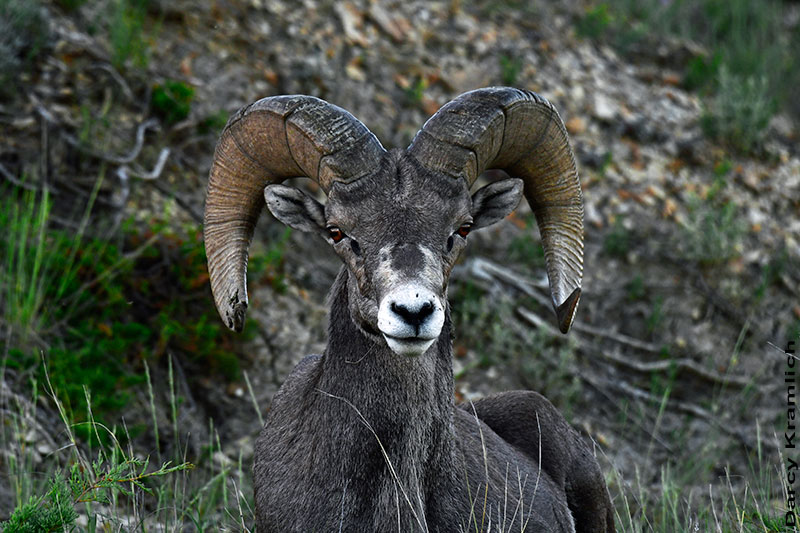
53, 512
510, 67
172, 100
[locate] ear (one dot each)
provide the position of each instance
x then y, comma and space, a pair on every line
495, 201
295, 208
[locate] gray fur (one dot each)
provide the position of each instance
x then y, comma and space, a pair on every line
362, 438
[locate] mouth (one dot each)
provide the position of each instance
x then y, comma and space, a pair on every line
410, 346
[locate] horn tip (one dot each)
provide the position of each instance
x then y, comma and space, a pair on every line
234, 316
565, 313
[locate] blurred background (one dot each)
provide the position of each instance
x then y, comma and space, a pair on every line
683, 116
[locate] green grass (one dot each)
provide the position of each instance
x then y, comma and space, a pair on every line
713, 230
749, 72
740, 499
128, 36
542, 362
415, 91
595, 22
527, 249
111, 485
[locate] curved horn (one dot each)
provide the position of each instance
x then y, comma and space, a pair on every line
519, 132
266, 142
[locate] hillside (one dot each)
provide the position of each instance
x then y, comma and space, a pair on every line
690, 167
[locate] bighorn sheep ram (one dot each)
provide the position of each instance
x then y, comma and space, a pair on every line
367, 437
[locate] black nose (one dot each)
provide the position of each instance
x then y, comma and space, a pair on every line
413, 316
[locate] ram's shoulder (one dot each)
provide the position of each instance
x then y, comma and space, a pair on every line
299, 383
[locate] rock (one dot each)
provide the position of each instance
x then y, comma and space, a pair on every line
355, 73
352, 20
576, 125
397, 27
603, 108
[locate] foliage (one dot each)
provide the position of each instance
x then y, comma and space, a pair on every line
729, 509
771, 273
636, 289
53, 512
525, 248
172, 100
214, 123
701, 71
24, 31
503, 7
415, 91
71, 5
267, 266
487, 326
97, 309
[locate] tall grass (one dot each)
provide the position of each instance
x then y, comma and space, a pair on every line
39, 266
82, 487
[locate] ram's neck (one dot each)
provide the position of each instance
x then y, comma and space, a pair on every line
389, 387
375, 399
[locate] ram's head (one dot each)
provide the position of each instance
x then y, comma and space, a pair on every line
398, 219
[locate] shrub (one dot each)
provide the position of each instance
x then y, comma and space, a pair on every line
172, 100
739, 111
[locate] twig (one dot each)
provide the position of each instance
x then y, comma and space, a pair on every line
117, 160
112, 72
683, 364
482, 268
124, 170
15, 181
486, 270
688, 408
536, 320
574, 370
600, 389
618, 337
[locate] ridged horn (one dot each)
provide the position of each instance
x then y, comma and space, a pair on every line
266, 142
519, 132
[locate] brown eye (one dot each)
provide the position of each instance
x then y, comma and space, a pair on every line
464, 230
335, 233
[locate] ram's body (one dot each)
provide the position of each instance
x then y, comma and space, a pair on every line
366, 437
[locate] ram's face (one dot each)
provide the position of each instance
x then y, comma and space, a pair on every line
399, 234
